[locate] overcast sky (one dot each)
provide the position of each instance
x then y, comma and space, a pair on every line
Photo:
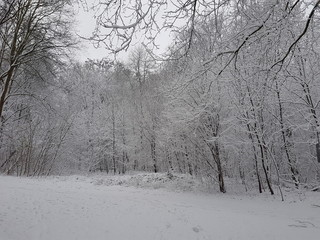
84, 27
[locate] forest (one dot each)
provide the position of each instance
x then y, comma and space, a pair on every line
234, 98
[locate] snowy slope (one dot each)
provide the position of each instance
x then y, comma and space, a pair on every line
69, 208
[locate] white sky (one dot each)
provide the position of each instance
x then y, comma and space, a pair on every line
85, 27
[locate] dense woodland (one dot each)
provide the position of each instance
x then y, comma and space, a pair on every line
236, 96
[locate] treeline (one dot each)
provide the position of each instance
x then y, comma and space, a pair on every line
236, 98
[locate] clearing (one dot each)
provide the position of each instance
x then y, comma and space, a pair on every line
58, 208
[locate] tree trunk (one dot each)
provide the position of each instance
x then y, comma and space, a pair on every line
113, 140
153, 153
294, 171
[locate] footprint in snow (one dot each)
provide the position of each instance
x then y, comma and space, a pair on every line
196, 229
302, 224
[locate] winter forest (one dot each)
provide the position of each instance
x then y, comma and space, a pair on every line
234, 98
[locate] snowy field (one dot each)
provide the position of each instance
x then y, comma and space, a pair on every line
70, 208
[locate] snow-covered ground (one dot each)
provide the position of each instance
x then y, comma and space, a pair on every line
91, 209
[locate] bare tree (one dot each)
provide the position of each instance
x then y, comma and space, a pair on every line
30, 30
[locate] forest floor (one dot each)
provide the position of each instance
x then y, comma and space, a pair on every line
77, 207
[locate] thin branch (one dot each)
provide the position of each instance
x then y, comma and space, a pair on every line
281, 61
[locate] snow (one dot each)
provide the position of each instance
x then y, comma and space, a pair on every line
171, 181
88, 208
